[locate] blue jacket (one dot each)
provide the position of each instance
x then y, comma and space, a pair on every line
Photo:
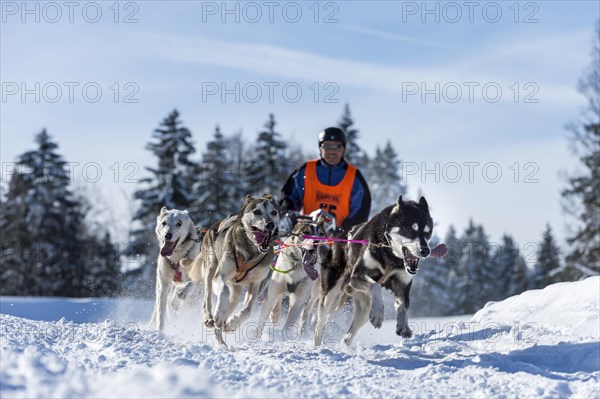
292, 193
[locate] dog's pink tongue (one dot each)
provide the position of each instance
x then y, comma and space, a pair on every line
440, 251
311, 272
168, 248
259, 236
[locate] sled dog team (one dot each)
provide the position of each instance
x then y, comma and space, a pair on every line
236, 257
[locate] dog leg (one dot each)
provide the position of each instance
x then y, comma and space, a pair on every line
276, 312
307, 311
244, 314
362, 304
376, 313
222, 307
299, 302
208, 281
219, 338
183, 289
326, 307
160, 306
234, 300
273, 297
402, 328
155, 311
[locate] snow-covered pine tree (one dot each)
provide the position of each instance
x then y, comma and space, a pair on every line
42, 227
268, 167
385, 182
16, 243
354, 154
582, 194
504, 263
237, 153
457, 282
214, 189
548, 262
102, 267
169, 185
519, 277
475, 268
430, 289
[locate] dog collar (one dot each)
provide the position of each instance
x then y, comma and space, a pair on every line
189, 237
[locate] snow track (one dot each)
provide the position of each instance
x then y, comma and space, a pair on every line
543, 343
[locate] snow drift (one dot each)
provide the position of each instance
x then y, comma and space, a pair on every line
540, 343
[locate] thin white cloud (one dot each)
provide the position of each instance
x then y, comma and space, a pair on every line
277, 62
392, 36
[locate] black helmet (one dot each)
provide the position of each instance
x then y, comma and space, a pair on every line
332, 134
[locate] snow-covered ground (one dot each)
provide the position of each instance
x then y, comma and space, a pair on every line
543, 343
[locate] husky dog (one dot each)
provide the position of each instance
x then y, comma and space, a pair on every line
297, 267
237, 253
397, 238
179, 245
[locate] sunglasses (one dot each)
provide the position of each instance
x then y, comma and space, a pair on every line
332, 147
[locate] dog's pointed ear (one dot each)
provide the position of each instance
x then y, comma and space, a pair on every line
400, 202
164, 209
423, 204
268, 197
247, 199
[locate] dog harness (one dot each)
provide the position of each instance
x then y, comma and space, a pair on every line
333, 199
175, 266
244, 267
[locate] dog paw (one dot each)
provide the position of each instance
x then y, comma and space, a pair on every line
183, 291
185, 262
376, 318
229, 327
209, 322
347, 340
404, 332
175, 304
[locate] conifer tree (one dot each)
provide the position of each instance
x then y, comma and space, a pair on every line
473, 275
582, 194
548, 261
42, 226
216, 184
458, 282
431, 288
269, 167
519, 277
354, 153
385, 182
504, 263
168, 184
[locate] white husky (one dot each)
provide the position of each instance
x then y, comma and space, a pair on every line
296, 269
179, 245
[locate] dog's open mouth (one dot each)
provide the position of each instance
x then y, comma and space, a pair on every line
262, 238
411, 261
309, 259
168, 248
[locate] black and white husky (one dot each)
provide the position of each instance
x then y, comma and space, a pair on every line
394, 241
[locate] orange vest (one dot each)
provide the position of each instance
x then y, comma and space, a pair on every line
333, 199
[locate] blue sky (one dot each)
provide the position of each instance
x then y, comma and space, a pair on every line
473, 151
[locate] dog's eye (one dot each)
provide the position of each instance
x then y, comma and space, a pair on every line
164, 223
273, 213
178, 224
257, 212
